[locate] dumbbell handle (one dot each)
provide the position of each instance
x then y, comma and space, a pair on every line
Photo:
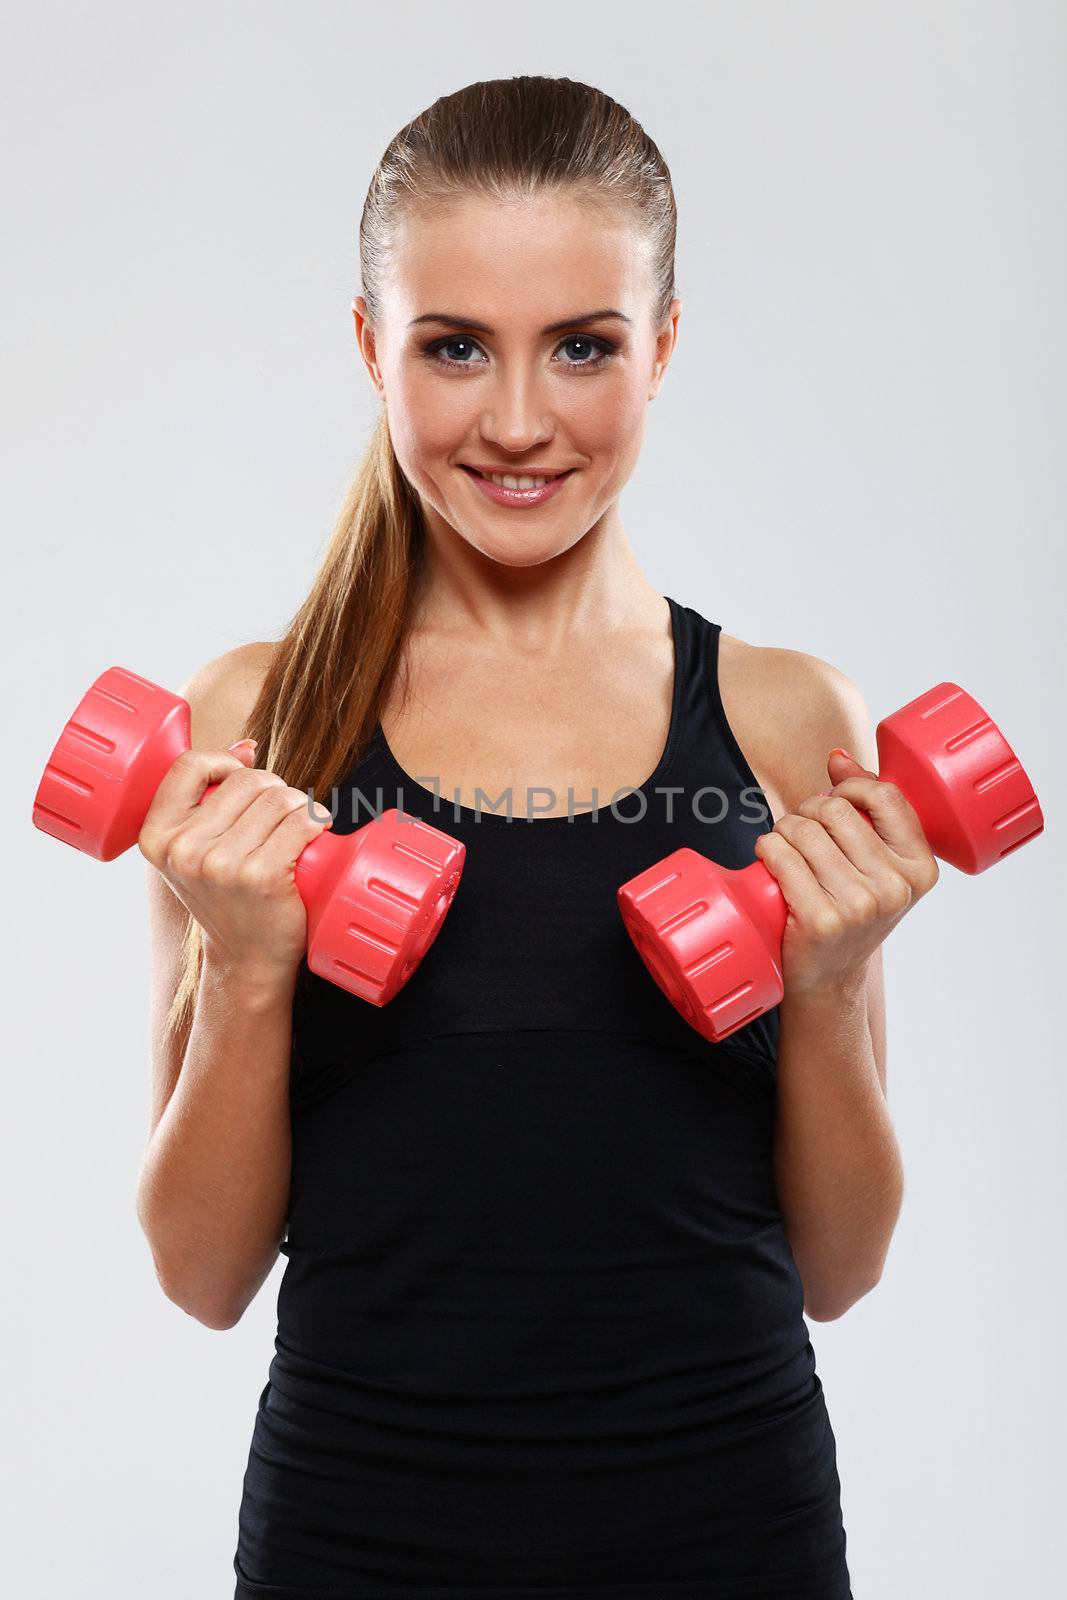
712, 936
759, 893
375, 898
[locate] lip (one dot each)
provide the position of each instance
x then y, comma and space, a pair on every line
516, 472
517, 497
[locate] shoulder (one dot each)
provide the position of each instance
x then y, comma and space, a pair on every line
222, 693
793, 708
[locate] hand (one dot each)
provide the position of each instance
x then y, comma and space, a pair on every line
230, 858
846, 883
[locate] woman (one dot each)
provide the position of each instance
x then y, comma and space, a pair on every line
541, 1328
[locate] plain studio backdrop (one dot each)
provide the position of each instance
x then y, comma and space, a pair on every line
858, 453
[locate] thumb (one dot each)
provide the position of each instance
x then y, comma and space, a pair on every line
892, 818
841, 765
244, 750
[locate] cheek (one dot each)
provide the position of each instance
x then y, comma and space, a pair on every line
605, 415
424, 426
427, 420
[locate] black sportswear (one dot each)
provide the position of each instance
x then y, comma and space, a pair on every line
540, 1332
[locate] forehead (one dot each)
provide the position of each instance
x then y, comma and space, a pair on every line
515, 262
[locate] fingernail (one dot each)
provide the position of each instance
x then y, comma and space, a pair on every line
826, 791
241, 743
320, 813
837, 751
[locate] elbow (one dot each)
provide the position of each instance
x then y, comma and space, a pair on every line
822, 1313
210, 1312
218, 1323
218, 1318
832, 1310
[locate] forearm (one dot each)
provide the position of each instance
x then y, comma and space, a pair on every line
837, 1163
213, 1193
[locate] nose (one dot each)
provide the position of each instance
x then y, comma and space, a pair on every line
516, 418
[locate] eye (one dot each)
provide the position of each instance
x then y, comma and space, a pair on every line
602, 350
456, 342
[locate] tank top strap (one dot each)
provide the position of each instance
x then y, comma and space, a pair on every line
707, 753
706, 739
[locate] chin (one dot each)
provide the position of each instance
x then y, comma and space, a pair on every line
512, 555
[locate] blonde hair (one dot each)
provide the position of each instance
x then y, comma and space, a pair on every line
332, 670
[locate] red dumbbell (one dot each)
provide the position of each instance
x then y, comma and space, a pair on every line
711, 936
375, 898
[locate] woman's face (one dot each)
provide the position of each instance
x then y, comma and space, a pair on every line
484, 383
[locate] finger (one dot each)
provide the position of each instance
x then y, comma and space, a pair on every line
804, 895
828, 864
851, 831
184, 782
262, 847
223, 804
892, 881
845, 763
892, 815
249, 826
279, 851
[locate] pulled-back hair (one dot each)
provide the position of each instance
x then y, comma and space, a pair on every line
331, 671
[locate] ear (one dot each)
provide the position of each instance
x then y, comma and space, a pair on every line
366, 342
665, 342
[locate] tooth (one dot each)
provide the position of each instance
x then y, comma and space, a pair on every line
509, 481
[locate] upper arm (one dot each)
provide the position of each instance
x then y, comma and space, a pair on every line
221, 697
816, 708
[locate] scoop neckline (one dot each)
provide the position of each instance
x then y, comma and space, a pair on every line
460, 813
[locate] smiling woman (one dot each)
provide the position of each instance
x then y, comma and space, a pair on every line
541, 1330
508, 391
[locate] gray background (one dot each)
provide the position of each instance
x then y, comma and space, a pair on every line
859, 453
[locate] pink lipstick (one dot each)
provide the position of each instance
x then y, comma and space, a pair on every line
518, 497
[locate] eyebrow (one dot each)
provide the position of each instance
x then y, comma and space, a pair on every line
452, 321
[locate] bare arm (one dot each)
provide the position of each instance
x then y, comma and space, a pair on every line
839, 1170
838, 1166
213, 1192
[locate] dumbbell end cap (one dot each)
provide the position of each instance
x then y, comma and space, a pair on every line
106, 765
377, 901
709, 935
964, 780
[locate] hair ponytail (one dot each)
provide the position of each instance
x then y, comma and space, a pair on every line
339, 653
503, 138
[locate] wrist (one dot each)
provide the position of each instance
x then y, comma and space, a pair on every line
250, 980
840, 990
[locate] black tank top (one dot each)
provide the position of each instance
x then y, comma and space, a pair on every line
540, 1331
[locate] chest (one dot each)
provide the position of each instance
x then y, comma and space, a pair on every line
551, 732
548, 732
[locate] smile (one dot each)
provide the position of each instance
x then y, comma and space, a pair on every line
524, 489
